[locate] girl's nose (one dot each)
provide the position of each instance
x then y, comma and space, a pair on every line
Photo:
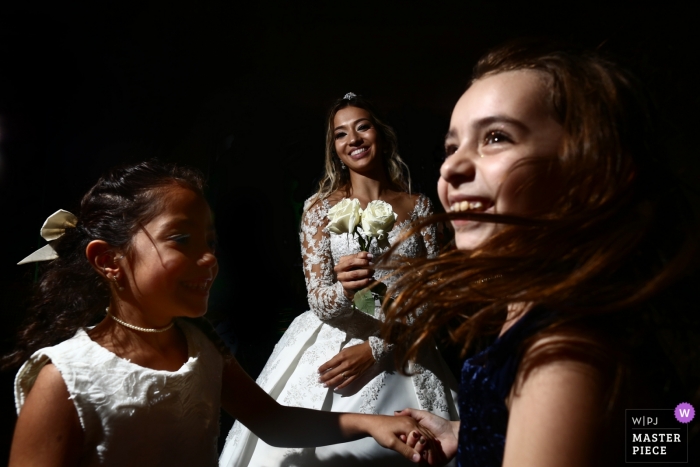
458, 168
207, 260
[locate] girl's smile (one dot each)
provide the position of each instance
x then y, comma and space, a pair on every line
499, 127
171, 264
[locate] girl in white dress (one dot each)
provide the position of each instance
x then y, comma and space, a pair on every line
144, 384
331, 357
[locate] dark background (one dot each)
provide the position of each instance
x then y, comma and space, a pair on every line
241, 90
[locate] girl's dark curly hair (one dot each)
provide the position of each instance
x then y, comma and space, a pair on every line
70, 294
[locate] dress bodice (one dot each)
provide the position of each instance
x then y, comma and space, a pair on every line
417, 245
487, 379
131, 415
412, 247
322, 250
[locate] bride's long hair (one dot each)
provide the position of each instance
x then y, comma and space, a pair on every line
620, 232
335, 177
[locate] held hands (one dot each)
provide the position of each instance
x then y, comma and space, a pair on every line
440, 450
393, 433
347, 366
354, 273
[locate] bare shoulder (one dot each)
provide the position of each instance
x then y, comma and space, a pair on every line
566, 396
49, 386
560, 360
47, 410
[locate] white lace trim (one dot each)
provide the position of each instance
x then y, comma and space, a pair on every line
380, 348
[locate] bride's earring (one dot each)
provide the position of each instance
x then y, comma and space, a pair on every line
342, 164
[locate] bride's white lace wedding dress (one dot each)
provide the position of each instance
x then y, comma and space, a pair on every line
291, 374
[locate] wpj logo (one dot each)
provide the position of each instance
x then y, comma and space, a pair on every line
657, 436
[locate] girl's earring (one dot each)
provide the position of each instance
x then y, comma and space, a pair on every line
342, 165
115, 278
116, 281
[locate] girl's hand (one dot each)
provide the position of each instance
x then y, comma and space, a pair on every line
278, 425
347, 366
391, 433
444, 447
354, 273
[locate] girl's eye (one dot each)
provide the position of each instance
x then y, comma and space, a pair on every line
495, 136
339, 135
364, 127
180, 239
450, 149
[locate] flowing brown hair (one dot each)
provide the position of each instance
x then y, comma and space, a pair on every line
619, 232
335, 177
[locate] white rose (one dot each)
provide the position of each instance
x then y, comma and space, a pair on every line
344, 216
377, 220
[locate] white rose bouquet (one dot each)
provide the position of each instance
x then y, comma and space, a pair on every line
347, 216
377, 220
344, 217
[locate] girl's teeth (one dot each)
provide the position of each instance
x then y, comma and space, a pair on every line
201, 287
466, 206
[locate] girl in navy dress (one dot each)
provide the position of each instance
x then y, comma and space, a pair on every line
572, 242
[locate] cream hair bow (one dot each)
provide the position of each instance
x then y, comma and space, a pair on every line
54, 227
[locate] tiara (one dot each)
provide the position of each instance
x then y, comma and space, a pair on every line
349, 96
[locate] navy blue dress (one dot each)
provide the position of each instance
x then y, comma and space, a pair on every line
486, 382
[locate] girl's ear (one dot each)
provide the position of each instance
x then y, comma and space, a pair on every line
103, 259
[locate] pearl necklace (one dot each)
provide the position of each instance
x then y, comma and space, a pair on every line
138, 328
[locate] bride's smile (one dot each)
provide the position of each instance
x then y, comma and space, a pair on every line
356, 139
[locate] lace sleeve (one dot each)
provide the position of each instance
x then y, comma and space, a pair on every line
380, 348
325, 294
424, 208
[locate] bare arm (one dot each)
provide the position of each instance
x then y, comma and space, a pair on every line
48, 431
279, 425
555, 417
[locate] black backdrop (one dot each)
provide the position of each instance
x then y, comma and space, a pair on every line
240, 91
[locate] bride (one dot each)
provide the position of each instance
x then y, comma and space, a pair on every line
330, 358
